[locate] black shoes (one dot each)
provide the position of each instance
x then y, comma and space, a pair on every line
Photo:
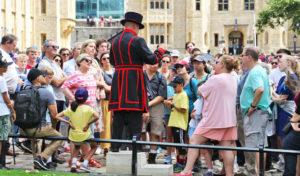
197, 166
40, 164
151, 158
26, 146
4, 167
58, 160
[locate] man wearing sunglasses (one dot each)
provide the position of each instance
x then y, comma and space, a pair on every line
276, 74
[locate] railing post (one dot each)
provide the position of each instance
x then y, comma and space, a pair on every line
134, 156
261, 161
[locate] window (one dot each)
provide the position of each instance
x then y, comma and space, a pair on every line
157, 34
94, 6
223, 5
162, 4
168, 6
43, 7
216, 40
249, 4
158, 4
151, 5
198, 5
43, 38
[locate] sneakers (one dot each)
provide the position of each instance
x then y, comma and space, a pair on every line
208, 174
85, 168
197, 166
151, 158
26, 146
178, 168
94, 163
168, 160
40, 163
78, 164
73, 167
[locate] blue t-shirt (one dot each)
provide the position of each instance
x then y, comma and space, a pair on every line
282, 89
170, 93
190, 94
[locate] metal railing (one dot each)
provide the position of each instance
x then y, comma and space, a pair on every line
134, 142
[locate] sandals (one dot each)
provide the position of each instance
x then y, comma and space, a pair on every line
93, 163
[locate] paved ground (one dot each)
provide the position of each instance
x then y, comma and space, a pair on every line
24, 161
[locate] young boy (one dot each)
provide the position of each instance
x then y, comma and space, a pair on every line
5, 106
179, 118
21, 61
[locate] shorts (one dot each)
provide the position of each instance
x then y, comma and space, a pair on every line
5, 127
218, 134
191, 131
156, 120
84, 142
255, 129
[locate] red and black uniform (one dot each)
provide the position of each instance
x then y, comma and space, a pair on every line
128, 97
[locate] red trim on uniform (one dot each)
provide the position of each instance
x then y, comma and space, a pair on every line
120, 47
121, 69
159, 54
118, 92
144, 102
121, 92
126, 109
137, 81
117, 66
129, 30
112, 47
129, 48
126, 93
156, 59
162, 50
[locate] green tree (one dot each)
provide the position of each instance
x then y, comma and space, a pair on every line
278, 12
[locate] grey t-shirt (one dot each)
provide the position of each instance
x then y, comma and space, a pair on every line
46, 99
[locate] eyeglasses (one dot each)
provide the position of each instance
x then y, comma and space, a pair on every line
54, 46
104, 58
278, 56
57, 60
87, 60
65, 54
274, 63
163, 61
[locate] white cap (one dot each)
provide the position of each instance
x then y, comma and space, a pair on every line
175, 53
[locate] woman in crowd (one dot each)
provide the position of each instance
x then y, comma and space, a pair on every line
108, 72
58, 59
165, 66
82, 79
219, 92
284, 97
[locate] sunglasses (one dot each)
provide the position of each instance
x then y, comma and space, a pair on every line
54, 46
179, 66
87, 60
65, 54
274, 63
278, 56
104, 58
163, 61
57, 60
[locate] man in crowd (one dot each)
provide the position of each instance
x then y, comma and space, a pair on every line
65, 54
255, 100
175, 54
276, 74
70, 65
157, 93
101, 47
128, 91
32, 56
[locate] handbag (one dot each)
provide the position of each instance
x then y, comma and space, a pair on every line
287, 127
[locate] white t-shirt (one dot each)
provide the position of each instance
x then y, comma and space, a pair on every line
3, 107
58, 73
275, 76
11, 76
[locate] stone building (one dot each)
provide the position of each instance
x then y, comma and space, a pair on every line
210, 24
34, 21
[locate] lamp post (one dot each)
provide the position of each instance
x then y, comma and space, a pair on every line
295, 41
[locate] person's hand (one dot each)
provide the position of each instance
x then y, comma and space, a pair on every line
21, 83
250, 111
13, 116
72, 126
167, 102
102, 95
193, 114
146, 116
86, 128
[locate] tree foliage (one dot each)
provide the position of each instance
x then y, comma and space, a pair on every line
279, 12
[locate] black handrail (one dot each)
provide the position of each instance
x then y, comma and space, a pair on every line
135, 143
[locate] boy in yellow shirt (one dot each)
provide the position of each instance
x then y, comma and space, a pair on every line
178, 122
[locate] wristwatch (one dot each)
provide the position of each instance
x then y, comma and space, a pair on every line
172, 105
253, 106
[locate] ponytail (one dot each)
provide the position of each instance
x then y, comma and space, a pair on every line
76, 103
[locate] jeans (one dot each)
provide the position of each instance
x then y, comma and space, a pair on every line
291, 142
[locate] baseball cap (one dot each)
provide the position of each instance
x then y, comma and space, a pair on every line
3, 62
34, 73
199, 58
81, 94
81, 57
177, 80
175, 53
182, 62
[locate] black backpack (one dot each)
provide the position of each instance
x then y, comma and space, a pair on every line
27, 108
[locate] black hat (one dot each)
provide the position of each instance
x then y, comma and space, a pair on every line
3, 62
133, 17
177, 80
34, 73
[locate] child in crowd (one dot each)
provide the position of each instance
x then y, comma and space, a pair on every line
5, 106
81, 117
21, 61
178, 121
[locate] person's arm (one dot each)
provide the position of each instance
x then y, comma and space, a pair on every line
9, 104
96, 117
58, 82
179, 109
156, 101
59, 117
257, 96
67, 92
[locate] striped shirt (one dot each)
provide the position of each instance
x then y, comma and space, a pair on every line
79, 80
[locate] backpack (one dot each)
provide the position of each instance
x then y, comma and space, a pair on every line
27, 108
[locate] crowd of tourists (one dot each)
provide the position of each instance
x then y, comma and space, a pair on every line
191, 97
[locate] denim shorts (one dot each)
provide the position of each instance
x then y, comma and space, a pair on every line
191, 131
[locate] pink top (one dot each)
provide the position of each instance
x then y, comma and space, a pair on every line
80, 80
219, 93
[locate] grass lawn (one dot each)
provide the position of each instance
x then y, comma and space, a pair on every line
39, 173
